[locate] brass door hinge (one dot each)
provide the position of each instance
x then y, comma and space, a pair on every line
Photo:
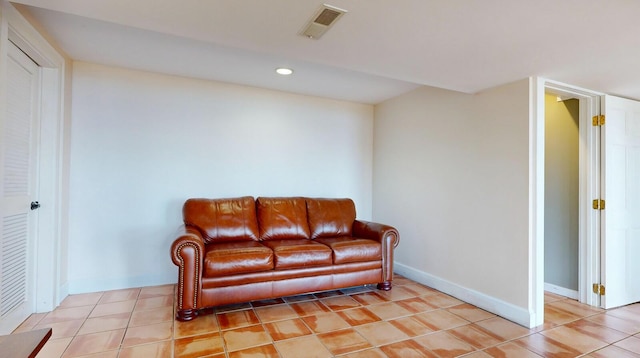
598, 289
598, 120
598, 204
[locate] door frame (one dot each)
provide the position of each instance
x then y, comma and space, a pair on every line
589, 188
52, 167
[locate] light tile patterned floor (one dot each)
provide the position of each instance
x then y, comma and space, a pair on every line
411, 320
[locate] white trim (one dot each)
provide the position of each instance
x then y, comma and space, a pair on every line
536, 202
51, 169
573, 294
501, 308
589, 261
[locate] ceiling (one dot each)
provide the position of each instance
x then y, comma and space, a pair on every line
378, 50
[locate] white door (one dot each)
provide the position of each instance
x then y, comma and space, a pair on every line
620, 188
18, 163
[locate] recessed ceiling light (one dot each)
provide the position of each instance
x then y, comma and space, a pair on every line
284, 71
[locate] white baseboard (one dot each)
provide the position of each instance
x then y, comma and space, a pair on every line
561, 291
496, 306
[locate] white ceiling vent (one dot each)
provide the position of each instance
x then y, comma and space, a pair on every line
322, 21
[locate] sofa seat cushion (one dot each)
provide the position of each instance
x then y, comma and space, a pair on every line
230, 258
347, 249
292, 253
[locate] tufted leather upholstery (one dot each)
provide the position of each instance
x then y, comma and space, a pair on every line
240, 249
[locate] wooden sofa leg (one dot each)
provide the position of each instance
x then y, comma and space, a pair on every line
385, 286
186, 315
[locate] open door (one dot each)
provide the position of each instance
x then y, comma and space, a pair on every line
620, 191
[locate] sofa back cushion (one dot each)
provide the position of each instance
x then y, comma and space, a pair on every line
330, 217
223, 220
282, 218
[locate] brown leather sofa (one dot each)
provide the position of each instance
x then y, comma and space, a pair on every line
240, 249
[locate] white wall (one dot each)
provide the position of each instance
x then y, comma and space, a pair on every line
451, 172
142, 143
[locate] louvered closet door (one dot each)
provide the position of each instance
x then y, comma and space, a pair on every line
19, 133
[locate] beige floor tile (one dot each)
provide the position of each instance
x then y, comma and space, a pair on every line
440, 319
153, 303
502, 329
142, 318
511, 350
612, 352
63, 329
613, 322
398, 293
344, 341
546, 347
113, 308
66, 314
441, 300
307, 346
575, 339
470, 313
237, 319
475, 336
559, 315
369, 298
631, 344
407, 349
444, 344
199, 326
119, 295
340, 303
30, 322
419, 289
411, 326
266, 351
275, 313
245, 337
148, 334
596, 331
358, 316
287, 329
327, 294
381, 333
198, 346
105, 323
368, 353
389, 310
309, 308
325, 322
155, 291
94, 343
85, 299
417, 304
54, 348
551, 297
152, 350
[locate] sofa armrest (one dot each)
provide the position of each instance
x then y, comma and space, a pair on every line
389, 237
187, 252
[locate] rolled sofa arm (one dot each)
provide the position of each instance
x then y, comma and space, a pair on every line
187, 253
389, 237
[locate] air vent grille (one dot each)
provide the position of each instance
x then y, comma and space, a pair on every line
322, 21
327, 16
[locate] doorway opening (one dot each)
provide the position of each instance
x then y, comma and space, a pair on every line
561, 197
